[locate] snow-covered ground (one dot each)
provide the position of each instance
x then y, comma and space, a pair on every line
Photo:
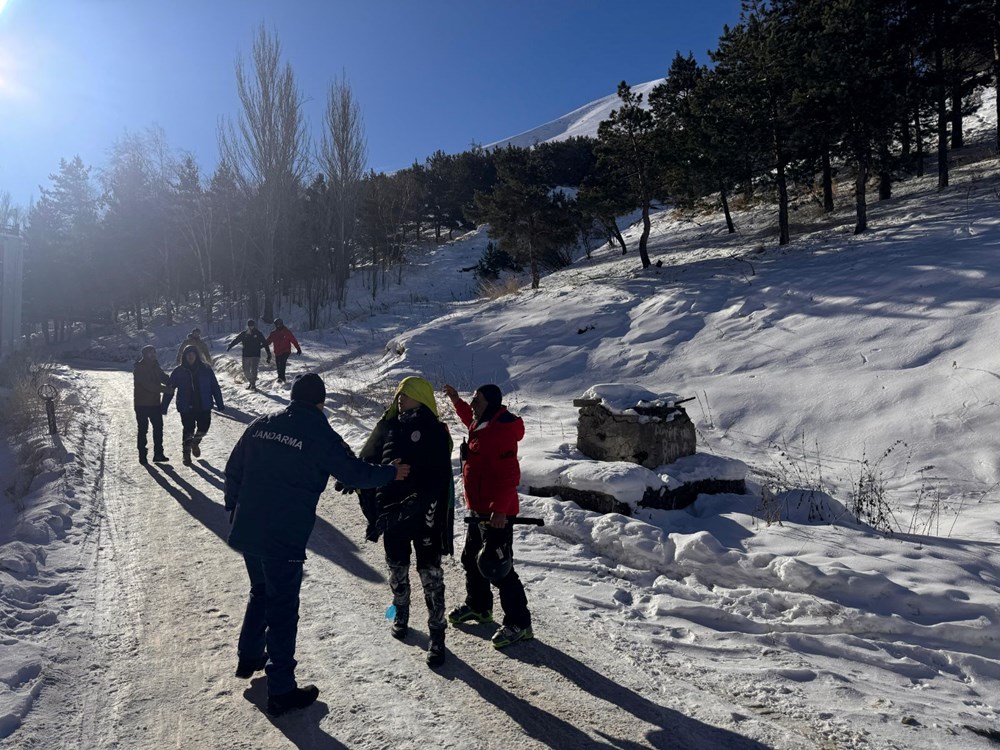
771, 619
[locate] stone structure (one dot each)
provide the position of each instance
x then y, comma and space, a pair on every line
650, 434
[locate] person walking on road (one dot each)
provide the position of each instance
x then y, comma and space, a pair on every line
194, 339
274, 478
282, 340
416, 514
196, 388
491, 473
149, 383
253, 342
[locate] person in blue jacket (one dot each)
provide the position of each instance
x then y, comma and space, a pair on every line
274, 478
196, 387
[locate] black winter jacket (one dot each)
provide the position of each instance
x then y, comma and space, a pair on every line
253, 342
276, 473
424, 501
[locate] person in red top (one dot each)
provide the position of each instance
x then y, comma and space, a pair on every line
491, 473
282, 340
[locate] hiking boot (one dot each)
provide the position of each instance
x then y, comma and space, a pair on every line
509, 634
465, 613
159, 458
435, 649
187, 455
246, 667
196, 445
293, 700
400, 623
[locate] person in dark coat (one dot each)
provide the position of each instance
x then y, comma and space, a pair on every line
282, 340
491, 473
416, 514
274, 478
196, 388
149, 381
253, 342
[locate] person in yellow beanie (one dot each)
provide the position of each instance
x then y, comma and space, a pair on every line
417, 514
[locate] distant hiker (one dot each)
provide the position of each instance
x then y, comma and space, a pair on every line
194, 339
274, 477
282, 340
253, 342
491, 473
149, 382
418, 512
196, 388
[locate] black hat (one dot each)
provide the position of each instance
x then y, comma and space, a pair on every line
492, 395
309, 388
279, 322
251, 323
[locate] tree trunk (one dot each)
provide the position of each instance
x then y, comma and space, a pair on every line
827, 180
884, 175
942, 111
860, 204
783, 233
616, 234
644, 237
918, 140
957, 139
724, 197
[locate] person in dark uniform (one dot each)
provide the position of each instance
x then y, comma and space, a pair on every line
416, 514
149, 382
253, 342
274, 478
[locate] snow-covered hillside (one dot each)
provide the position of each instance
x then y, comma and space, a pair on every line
815, 364
582, 122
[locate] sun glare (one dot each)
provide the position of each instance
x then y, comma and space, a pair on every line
3, 4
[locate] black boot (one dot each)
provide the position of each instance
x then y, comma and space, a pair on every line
435, 650
142, 458
246, 667
160, 458
293, 700
401, 623
187, 454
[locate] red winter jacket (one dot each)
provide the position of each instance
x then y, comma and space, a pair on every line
282, 340
491, 472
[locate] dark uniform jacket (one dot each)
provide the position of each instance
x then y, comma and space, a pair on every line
424, 501
253, 342
276, 473
149, 382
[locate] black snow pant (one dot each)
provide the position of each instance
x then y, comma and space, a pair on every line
192, 421
271, 621
478, 594
144, 416
398, 541
280, 360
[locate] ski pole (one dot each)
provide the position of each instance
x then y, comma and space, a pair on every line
516, 519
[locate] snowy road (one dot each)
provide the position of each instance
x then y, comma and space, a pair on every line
149, 661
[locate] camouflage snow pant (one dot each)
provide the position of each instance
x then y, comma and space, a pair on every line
398, 545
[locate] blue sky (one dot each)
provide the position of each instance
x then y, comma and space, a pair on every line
75, 75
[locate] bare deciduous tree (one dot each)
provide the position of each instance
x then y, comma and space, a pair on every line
343, 155
267, 150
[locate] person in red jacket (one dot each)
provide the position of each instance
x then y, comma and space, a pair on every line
491, 473
282, 340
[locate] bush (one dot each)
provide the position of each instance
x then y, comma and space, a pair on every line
494, 261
